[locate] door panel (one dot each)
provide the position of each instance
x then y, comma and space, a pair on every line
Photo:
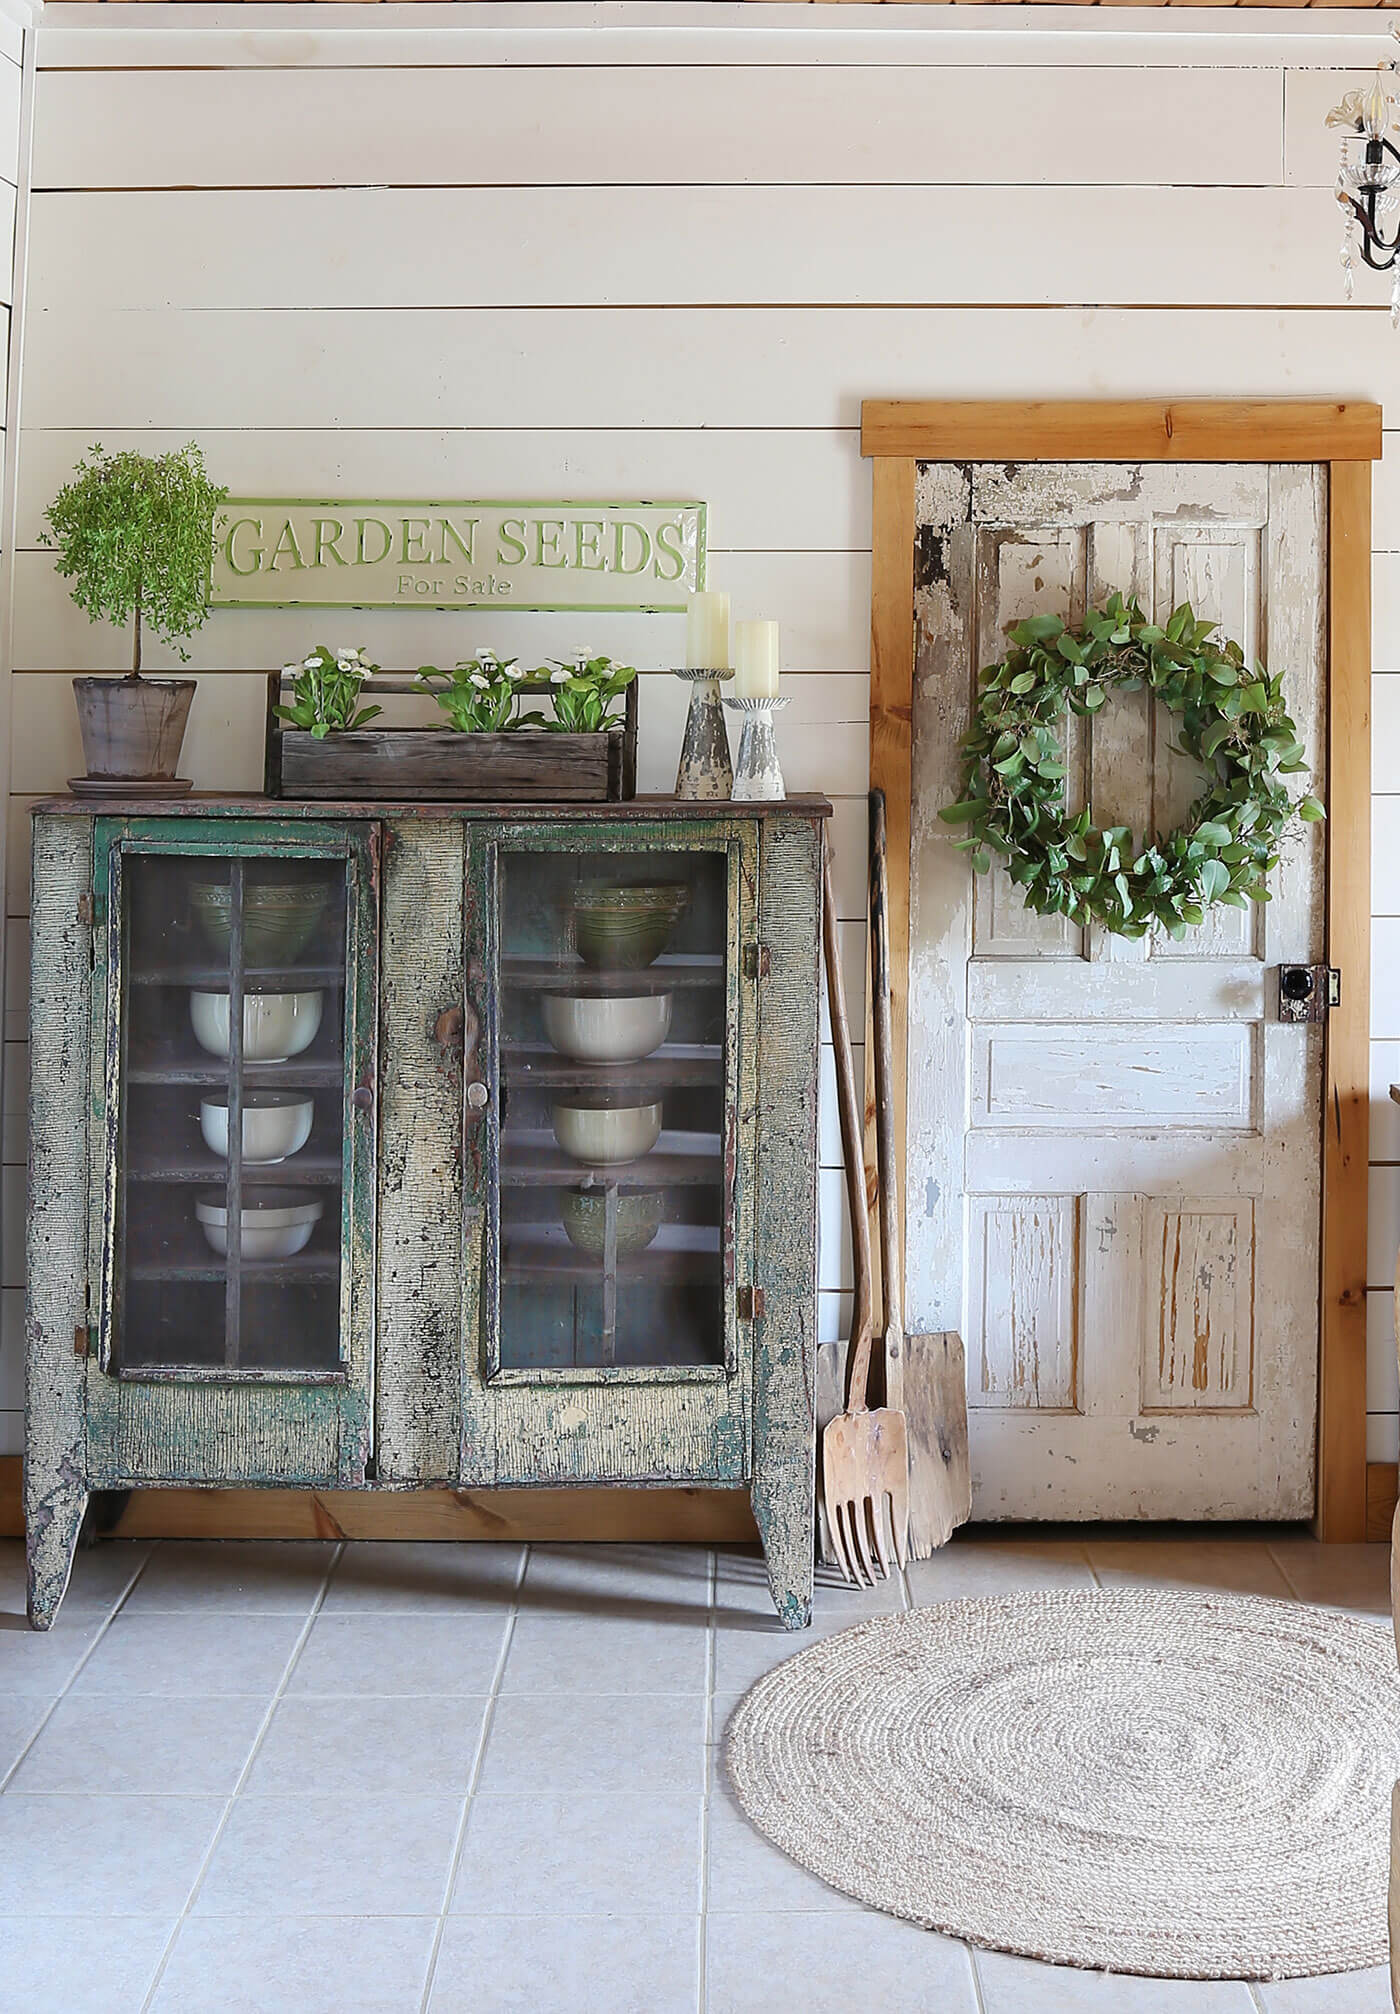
1024, 1302
601, 1336
1114, 1147
234, 1151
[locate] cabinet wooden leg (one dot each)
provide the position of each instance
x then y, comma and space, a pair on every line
53, 1521
787, 1530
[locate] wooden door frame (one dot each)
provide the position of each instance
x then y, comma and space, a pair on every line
898, 434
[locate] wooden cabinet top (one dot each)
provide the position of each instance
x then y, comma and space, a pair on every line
223, 804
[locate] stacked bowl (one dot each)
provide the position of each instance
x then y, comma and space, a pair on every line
280, 918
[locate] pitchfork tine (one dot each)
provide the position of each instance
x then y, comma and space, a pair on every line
862, 1523
839, 1547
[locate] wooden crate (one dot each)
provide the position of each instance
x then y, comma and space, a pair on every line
439, 765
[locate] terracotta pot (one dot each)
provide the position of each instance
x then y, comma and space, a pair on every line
133, 727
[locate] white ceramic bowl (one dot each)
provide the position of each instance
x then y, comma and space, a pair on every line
275, 1025
604, 1135
275, 1124
606, 1030
273, 1228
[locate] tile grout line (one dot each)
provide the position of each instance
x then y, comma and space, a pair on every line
709, 1760
1089, 1562
7, 1776
202, 1870
473, 1779
978, 1998
1253, 1990
1284, 1574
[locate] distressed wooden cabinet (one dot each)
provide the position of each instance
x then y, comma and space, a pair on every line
321, 1180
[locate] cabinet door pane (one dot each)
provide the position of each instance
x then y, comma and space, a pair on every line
230, 1162
615, 1058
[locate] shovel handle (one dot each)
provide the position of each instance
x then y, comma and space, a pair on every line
891, 1268
851, 1145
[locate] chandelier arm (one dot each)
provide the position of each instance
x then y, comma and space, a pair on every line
1365, 214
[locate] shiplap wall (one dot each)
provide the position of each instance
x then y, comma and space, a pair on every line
651, 250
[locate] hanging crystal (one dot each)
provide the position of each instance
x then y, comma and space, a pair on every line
1348, 251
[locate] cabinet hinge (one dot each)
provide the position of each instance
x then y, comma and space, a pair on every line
80, 1340
750, 1304
1307, 992
757, 963
85, 908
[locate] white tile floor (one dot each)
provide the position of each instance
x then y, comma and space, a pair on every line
374, 1779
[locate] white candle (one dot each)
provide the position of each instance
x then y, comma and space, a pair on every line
755, 660
707, 632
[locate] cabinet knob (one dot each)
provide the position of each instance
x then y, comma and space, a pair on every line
477, 1094
362, 1097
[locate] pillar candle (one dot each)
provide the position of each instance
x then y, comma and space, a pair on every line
707, 632
755, 660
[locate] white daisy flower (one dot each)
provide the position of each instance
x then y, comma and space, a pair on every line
312, 663
561, 676
486, 657
291, 670
581, 659
481, 684
512, 670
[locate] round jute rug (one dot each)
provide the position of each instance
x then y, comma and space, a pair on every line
1187, 1785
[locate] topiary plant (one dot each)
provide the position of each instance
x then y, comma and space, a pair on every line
135, 535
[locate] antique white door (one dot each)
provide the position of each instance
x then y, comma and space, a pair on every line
1114, 1149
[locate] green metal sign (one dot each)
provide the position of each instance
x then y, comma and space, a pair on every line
281, 552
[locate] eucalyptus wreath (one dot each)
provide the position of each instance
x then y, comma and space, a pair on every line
1232, 721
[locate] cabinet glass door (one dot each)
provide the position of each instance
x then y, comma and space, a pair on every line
237, 1101
615, 1116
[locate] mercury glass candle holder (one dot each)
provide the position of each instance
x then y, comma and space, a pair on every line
704, 770
757, 777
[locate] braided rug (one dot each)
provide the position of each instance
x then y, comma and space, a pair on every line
1180, 1784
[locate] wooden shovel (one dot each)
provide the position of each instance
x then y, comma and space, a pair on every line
865, 1457
924, 1375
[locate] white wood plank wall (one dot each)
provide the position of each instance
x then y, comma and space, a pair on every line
664, 249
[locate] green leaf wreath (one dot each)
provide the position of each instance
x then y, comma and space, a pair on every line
1232, 720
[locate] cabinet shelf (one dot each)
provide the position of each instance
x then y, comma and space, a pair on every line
297, 1171
294, 1074
543, 1252
256, 978
678, 1064
664, 975
302, 1269
531, 1158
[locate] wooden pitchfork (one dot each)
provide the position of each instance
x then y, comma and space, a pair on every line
865, 1455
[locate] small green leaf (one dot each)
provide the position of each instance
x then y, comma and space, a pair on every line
1214, 879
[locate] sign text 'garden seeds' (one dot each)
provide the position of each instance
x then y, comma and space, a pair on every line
284, 553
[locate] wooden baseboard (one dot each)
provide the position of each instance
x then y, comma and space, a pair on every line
661, 1516
1381, 1480
666, 1516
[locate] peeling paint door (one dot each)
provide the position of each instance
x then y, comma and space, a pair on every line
1114, 1148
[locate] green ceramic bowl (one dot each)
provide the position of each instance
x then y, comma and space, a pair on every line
279, 917
623, 929
639, 1217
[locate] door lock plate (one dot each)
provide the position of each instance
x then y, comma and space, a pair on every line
1307, 992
